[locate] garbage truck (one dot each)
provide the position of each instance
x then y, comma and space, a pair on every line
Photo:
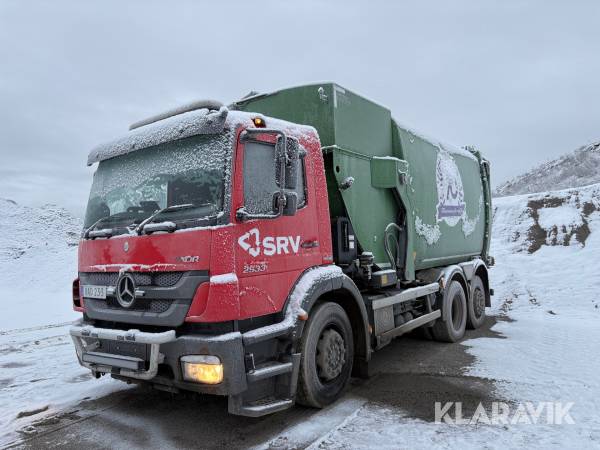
265, 249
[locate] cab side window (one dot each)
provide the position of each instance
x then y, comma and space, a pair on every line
301, 186
260, 177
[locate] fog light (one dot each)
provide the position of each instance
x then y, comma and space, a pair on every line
202, 369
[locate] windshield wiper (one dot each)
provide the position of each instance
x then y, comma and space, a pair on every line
105, 232
150, 228
171, 208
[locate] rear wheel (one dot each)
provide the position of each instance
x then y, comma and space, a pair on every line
451, 326
327, 353
476, 304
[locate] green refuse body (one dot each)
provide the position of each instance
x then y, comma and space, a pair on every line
439, 194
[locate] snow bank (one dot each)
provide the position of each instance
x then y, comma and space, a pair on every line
38, 367
38, 256
548, 284
578, 168
559, 218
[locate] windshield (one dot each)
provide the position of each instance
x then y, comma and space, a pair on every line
193, 171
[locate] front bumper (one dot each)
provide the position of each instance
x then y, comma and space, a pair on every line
164, 348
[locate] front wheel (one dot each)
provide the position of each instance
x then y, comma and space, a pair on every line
327, 353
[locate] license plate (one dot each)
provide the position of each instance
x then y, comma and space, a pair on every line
91, 291
125, 348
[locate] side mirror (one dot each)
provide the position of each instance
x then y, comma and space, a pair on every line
285, 203
291, 204
292, 155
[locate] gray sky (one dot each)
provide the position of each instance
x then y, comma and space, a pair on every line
520, 80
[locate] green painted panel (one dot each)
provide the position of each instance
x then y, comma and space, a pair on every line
442, 240
446, 200
388, 172
306, 105
336, 202
360, 124
370, 209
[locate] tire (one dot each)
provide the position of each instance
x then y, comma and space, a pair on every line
324, 367
423, 333
451, 326
476, 304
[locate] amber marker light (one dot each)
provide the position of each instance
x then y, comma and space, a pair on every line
259, 122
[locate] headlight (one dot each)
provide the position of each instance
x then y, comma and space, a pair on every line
205, 369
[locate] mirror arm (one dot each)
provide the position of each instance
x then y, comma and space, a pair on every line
241, 215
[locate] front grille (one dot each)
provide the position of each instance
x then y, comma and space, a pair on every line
101, 278
141, 304
165, 300
159, 279
165, 279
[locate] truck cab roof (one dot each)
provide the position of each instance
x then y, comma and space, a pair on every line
186, 124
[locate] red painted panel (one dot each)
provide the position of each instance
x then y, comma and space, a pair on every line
156, 252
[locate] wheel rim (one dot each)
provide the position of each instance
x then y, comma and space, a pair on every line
331, 355
478, 303
457, 312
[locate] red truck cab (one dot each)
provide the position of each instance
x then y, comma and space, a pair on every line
195, 235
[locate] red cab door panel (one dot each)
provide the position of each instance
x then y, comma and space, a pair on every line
271, 253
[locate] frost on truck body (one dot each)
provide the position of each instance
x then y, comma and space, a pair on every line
300, 292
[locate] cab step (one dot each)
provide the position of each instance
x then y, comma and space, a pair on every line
262, 408
268, 370
271, 388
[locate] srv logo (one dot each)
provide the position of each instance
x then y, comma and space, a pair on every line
269, 245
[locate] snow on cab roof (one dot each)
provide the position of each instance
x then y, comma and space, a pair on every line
187, 124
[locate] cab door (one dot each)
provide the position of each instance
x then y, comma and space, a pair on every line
271, 250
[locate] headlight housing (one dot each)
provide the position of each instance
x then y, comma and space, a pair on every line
206, 369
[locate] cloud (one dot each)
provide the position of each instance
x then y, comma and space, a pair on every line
516, 79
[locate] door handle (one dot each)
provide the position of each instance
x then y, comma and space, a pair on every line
310, 244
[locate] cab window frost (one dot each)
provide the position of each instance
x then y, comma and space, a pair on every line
195, 170
260, 177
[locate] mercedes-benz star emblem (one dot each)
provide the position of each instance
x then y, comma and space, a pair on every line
126, 290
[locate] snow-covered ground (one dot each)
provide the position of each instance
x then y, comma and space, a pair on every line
38, 367
546, 283
38, 261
